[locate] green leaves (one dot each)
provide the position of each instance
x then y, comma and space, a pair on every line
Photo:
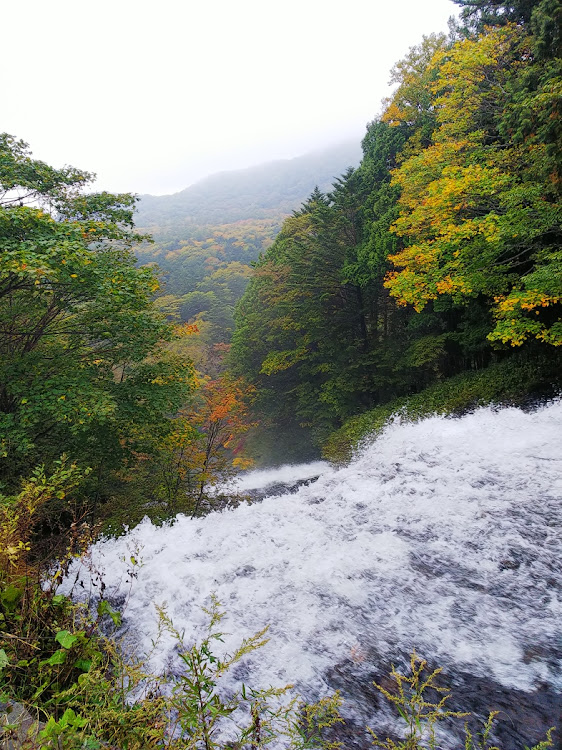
66, 639
65, 731
59, 657
104, 608
78, 331
479, 215
4, 660
255, 718
34, 180
10, 596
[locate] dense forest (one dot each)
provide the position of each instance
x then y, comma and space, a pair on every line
440, 254
136, 375
206, 238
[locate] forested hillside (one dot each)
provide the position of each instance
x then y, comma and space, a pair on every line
266, 191
207, 237
440, 254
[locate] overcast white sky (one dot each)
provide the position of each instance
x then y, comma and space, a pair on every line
155, 95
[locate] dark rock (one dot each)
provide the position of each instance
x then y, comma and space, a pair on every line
509, 564
25, 726
523, 719
280, 488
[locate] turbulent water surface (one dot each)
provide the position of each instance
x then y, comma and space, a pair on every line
443, 535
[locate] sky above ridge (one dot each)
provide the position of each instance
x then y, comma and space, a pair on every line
153, 96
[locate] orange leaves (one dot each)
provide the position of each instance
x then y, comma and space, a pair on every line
515, 325
201, 449
182, 330
526, 300
221, 411
226, 403
450, 285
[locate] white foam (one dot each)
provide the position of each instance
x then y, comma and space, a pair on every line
443, 535
287, 474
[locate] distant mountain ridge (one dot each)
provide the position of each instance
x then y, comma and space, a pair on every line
260, 192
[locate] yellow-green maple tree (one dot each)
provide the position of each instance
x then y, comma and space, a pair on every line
477, 214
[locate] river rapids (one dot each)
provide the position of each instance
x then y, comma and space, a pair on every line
443, 536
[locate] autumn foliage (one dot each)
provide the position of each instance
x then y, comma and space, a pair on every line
205, 446
439, 254
480, 209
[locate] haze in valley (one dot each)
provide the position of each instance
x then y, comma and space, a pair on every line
155, 96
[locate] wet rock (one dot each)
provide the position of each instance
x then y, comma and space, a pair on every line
280, 488
523, 719
509, 564
16, 726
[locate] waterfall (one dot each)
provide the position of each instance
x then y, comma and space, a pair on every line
443, 535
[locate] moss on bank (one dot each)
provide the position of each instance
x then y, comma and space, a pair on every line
519, 380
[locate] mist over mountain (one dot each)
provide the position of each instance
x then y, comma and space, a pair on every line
260, 192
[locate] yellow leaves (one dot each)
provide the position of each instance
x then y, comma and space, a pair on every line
411, 102
393, 115
207, 437
280, 361
514, 324
509, 335
242, 464
458, 202
550, 337
525, 300
14, 551
17, 517
450, 285
409, 288
473, 76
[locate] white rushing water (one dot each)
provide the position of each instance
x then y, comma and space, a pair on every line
263, 478
443, 535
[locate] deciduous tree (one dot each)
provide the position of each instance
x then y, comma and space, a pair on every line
80, 341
